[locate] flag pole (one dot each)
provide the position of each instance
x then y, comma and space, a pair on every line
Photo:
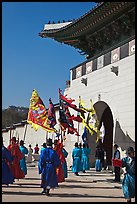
25, 132
78, 122
10, 135
46, 135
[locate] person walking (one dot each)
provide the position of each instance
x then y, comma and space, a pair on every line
47, 165
17, 156
84, 158
76, 156
7, 175
29, 157
128, 183
64, 165
36, 149
99, 155
24, 151
59, 171
116, 168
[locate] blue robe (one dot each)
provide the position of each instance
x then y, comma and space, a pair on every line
23, 165
85, 158
128, 183
47, 164
76, 155
7, 176
64, 165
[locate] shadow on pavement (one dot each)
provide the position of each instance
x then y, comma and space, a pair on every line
32, 178
84, 195
61, 195
77, 186
76, 181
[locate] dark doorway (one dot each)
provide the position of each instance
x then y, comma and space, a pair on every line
108, 138
105, 115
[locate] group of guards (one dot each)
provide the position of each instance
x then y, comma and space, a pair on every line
52, 165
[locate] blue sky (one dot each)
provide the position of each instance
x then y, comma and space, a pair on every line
31, 62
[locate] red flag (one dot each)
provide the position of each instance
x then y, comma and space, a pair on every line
65, 120
68, 103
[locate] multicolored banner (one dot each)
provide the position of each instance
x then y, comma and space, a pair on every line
37, 115
92, 123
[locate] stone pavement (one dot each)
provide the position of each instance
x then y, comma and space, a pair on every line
91, 186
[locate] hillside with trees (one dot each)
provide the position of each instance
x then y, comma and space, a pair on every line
13, 115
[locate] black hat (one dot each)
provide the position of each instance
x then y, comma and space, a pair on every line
44, 144
55, 142
13, 139
49, 142
76, 144
116, 145
130, 149
21, 142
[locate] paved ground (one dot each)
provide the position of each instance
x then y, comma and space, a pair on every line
88, 187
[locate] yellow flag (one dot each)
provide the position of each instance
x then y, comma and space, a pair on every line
37, 115
92, 123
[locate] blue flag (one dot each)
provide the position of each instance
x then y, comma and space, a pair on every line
84, 136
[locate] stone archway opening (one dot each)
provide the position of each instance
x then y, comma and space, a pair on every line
104, 115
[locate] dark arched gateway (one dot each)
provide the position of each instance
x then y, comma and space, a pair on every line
104, 115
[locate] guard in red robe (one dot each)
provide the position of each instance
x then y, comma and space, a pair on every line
17, 156
59, 171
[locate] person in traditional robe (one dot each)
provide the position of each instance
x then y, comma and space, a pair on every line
99, 155
29, 157
80, 147
47, 165
76, 156
64, 165
17, 156
128, 183
59, 171
24, 151
116, 168
7, 175
43, 147
85, 158
36, 149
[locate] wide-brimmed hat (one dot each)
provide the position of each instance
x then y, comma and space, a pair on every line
44, 144
55, 142
49, 142
13, 139
76, 144
22, 142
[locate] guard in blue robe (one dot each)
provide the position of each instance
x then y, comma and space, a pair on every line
64, 165
76, 155
85, 158
7, 176
128, 183
47, 165
24, 151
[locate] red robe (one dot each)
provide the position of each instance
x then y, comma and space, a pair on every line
17, 156
59, 170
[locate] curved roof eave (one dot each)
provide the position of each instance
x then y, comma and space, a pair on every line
73, 22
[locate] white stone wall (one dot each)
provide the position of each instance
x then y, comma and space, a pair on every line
117, 91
